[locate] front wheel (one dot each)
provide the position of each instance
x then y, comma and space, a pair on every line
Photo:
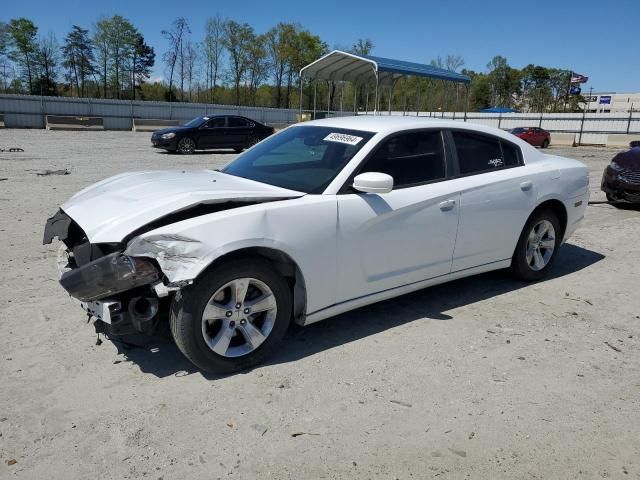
233, 317
545, 143
186, 146
537, 246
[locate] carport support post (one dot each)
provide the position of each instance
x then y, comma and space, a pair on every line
377, 93
301, 80
366, 103
390, 94
315, 97
499, 119
419, 94
466, 102
404, 105
329, 84
355, 98
629, 120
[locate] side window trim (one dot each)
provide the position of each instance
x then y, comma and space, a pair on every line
347, 185
454, 152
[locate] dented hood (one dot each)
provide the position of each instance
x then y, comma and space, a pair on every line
111, 209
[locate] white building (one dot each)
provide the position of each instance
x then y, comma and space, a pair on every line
611, 102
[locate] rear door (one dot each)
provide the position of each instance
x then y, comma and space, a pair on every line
238, 131
213, 133
407, 235
497, 194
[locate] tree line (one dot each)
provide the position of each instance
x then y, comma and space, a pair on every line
233, 64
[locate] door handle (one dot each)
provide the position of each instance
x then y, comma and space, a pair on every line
525, 186
447, 205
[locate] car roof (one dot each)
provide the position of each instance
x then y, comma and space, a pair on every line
395, 123
388, 124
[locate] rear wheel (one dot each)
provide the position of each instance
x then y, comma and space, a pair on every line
545, 143
186, 146
252, 141
537, 246
233, 317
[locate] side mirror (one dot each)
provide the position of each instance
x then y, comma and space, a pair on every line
373, 182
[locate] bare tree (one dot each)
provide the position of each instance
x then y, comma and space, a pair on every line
362, 46
48, 58
175, 54
213, 48
257, 70
278, 43
237, 39
190, 59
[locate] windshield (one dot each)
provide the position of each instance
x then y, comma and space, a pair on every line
302, 158
519, 130
196, 122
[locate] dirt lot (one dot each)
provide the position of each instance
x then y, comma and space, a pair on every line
480, 378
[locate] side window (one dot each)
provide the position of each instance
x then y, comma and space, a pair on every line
410, 158
217, 122
511, 154
478, 153
237, 122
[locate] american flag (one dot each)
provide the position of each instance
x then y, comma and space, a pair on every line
577, 78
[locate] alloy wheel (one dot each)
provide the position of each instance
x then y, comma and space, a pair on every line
186, 146
541, 243
239, 317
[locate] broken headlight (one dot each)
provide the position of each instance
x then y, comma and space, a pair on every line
109, 275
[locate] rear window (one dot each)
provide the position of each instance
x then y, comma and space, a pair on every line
483, 153
237, 122
519, 130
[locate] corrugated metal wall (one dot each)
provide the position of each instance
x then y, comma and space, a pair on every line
28, 111
595, 127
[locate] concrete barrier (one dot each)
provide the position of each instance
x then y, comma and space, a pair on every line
151, 125
1, 121
63, 122
562, 139
621, 140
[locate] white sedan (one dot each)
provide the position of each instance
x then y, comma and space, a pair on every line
324, 217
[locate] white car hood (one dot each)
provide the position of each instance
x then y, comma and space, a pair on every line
111, 209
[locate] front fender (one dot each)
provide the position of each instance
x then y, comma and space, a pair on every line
302, 228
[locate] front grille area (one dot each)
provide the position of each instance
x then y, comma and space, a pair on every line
629, 176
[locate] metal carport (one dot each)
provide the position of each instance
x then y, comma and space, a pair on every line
339, 66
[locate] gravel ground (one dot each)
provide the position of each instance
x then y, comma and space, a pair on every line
479, 378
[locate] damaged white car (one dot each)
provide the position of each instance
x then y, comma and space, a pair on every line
321, 218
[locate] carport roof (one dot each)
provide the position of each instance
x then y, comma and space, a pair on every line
343, 66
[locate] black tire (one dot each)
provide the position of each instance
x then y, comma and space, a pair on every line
252, 141
186, 146
520, 268
188, 306
611, 198
545, 143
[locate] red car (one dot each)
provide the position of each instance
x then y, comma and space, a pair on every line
535, 136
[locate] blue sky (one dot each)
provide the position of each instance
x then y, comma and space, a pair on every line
596, 38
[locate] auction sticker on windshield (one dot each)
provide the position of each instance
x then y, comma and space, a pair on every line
343, 138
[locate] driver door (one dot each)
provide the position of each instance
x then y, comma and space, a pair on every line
213, 133
406, 235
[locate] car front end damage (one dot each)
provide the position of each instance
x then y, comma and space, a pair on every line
124, 293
